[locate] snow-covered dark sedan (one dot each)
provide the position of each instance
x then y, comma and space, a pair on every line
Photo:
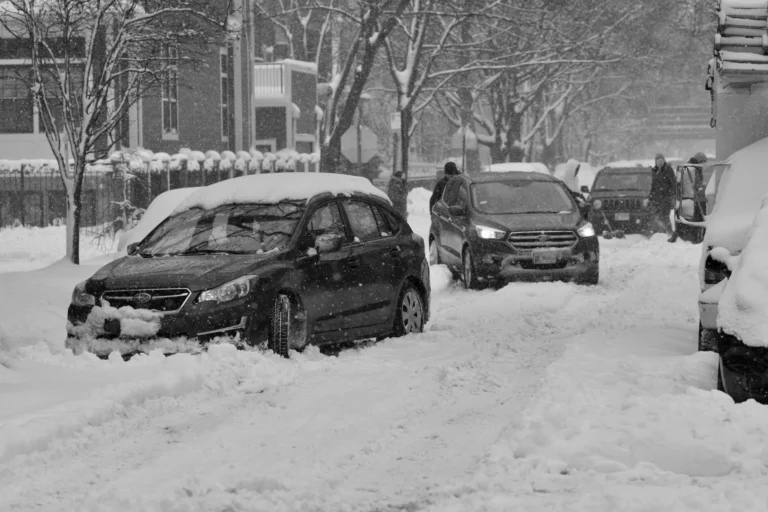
274, 260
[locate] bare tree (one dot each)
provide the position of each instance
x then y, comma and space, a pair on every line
90, 60
367, 25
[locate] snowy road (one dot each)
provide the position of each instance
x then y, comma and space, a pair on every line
386, 425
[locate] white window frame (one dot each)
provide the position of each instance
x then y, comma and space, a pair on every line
170, 76
224, 89
266, 142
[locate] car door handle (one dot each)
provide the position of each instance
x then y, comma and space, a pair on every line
353, 262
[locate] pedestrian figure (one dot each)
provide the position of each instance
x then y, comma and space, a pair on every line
662, 197
398, 193
450, 171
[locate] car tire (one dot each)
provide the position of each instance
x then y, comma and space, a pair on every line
590, 278
279, 334
434, 254
409, 315
720, 386
468, 274
707, 339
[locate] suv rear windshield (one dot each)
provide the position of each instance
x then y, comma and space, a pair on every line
635, 180
521, 196
233, 229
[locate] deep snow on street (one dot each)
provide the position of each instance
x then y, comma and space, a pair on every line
544, 396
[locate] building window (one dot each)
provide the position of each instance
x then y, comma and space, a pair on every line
16, 107
170, 92
224, 82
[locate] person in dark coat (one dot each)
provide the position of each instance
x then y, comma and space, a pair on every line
698, 158
450, 171
662, 196
398, 193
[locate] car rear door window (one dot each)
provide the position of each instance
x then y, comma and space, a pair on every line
385, 223
362, 221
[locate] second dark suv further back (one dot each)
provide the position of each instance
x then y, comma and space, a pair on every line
503, 226
619, 199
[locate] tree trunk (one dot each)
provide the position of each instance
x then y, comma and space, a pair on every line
330, 157
74, 214
406, 118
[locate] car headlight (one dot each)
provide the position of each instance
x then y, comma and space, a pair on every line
586, 231
597, 204
82, 298
487, 233
232, 290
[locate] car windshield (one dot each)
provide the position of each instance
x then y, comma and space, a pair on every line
521, 196
639, 180
230, 229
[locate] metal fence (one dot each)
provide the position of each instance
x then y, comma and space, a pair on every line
111, 197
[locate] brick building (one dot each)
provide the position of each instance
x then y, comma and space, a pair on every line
234, 97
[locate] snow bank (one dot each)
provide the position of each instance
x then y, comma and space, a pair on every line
273, 188
743, 307
24, 248
49, 397
160, 208
739, 198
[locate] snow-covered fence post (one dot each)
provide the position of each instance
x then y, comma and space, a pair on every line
195, 165
22, 194
256, 160
214, 158
227, 164
243, 159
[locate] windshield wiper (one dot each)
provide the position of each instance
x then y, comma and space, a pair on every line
547, 211
210, 251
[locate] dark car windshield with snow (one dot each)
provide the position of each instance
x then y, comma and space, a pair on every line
232, 229
261, 260
521, 196
635, 180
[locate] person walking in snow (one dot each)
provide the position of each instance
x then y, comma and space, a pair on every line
398, 193
450, 170
662, 196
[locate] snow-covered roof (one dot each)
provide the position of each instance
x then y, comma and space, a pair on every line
742, 37
518, 167
620, 164
743, 306
273, 188
739, 197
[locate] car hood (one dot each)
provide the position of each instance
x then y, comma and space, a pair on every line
193, 272
602, 194
532, 221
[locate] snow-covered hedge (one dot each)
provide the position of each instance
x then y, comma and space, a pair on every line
247, 162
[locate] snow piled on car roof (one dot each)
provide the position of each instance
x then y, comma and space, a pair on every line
273, 188
739, 197
519, 167
743, 307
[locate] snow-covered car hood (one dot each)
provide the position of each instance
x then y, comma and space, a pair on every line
193, 272
532, 221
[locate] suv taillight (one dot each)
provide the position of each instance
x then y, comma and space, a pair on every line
715, 271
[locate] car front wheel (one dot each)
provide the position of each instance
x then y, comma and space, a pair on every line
409, 316
279, 334
468, 274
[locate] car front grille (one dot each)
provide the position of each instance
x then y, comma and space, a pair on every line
626, 204
530, 240
165, 300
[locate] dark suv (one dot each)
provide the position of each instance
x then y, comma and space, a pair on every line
619, 199
503, 226
282, 273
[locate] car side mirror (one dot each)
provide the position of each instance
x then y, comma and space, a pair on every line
132, 248
458, 210
584, 189
328, 242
